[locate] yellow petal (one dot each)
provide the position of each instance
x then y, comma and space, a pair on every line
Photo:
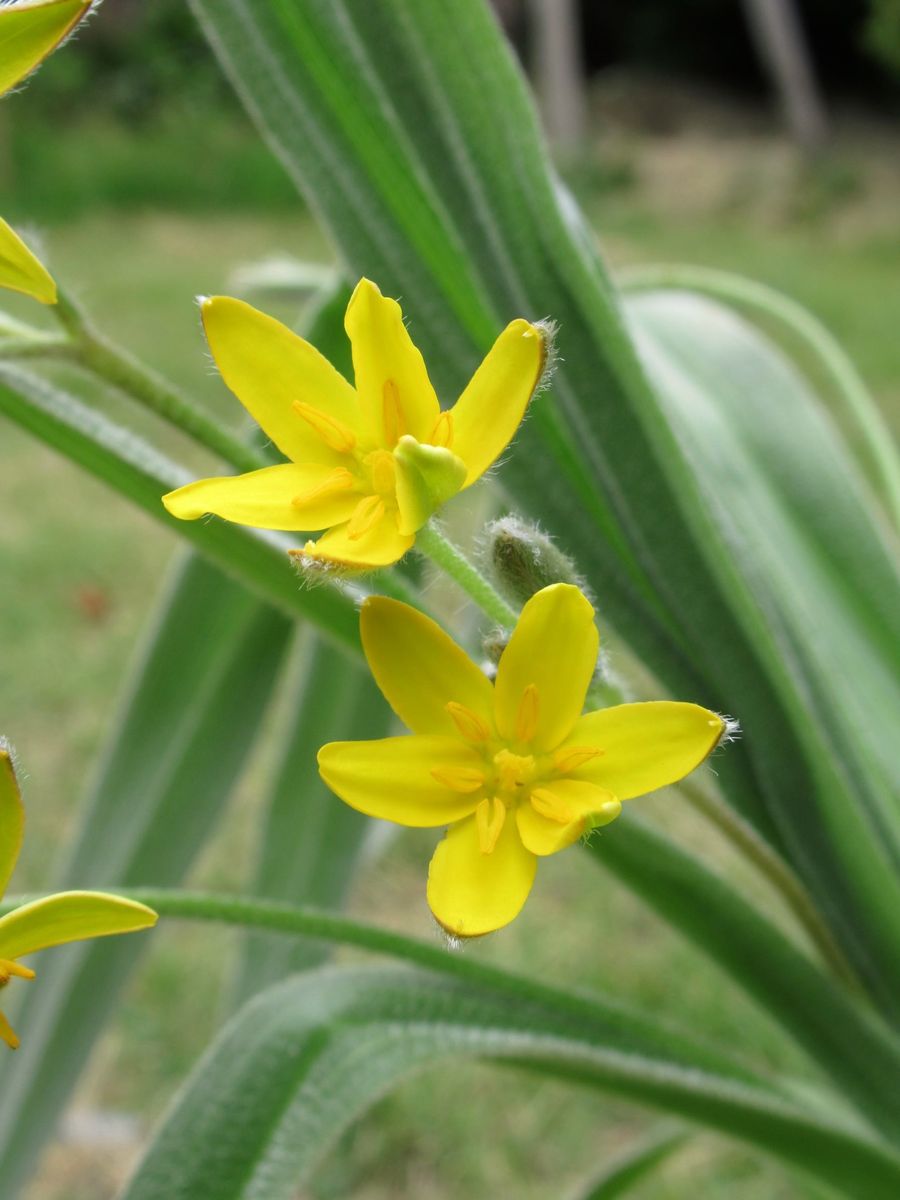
646, 746
268, 367
490, 410
381, 545
419, 668
29, 32
394, 778
471, 893
289, 496
12, 818
394, 390
69, 917
20, 271
577, 808
426, 477
554, 649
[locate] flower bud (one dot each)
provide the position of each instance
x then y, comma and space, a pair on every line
522, 560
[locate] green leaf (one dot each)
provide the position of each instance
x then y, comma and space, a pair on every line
189, 721
410, 131
632, 1165
820, 576
295, 1067
841, 1035
140, 473
311, 842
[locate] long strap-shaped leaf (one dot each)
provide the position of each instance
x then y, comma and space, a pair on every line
841, 1035
301, 1061
310, 841
410, 131
139, 472
201, 688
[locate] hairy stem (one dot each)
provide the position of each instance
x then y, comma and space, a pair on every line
97, 354
432, 543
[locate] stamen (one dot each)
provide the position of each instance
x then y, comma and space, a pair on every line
551, 807
472, 727
8, 969
365, 517
392, 412
442, 434
334, 433
527, 716
572, 757
338, 480
381, 464
490, 816
459, 779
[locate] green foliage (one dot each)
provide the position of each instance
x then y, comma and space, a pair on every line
882, 32
731, 539
296, 1065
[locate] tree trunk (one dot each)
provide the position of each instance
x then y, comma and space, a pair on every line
778, 34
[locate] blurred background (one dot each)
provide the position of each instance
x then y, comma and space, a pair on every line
759, 136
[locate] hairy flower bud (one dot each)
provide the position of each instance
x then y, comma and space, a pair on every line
522, 560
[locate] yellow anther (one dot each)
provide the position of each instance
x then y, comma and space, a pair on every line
470, 725
392, 413
442, 434
551, 807
8, 969
527, 716
339, 480
459, 779
365, 517
384, 474
334, 433
572, 757
490, 816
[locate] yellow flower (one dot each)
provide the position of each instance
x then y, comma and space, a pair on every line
20, 271
30, 30
512, 768
372, 463
52, 920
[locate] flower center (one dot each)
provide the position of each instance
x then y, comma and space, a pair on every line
513, 771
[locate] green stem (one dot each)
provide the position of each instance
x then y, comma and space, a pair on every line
39, 346
276, 917
95, 353
432, 543
773, 868
765, 301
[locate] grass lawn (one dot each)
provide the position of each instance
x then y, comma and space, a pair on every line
80, 570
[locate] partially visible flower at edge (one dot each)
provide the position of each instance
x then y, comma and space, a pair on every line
369, 464
28, 33
32, 29
512, 768
20, 270
51, 920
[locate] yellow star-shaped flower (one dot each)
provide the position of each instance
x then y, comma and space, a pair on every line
52, 920
512, 767
369, 464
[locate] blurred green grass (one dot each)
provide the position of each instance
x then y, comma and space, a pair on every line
79, 572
